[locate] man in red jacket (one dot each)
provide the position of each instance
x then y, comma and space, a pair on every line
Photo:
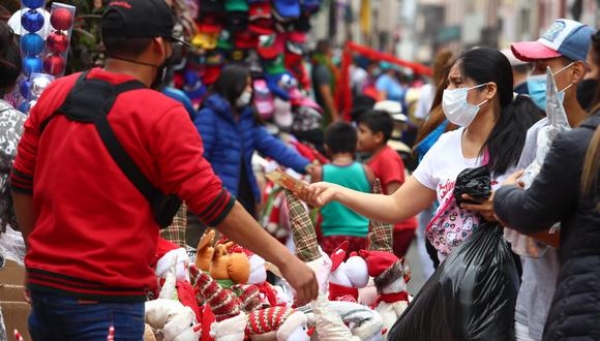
90, 233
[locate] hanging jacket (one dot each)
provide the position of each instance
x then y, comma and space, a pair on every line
555, 196
228, 142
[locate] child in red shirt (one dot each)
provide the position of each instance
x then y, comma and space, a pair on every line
374, 130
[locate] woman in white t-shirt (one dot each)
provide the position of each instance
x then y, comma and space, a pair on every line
493, 122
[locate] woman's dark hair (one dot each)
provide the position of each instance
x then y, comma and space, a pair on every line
10, 59
436, 113
340, 137
232, 82
507, 138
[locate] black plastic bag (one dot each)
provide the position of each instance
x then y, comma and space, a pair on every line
471, 296
473, 181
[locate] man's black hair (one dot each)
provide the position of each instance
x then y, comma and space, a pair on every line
378, 121
340, 137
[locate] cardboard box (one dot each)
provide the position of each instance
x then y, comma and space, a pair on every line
15, 317
15, 310
12, 273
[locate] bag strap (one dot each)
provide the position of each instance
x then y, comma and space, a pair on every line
90, 101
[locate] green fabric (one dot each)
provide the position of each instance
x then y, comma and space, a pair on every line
274, 67
236, 5
318, 58
338, 220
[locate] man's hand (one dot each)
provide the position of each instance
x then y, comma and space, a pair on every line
483, 207
302, 279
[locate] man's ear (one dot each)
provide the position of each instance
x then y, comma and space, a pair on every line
578, 72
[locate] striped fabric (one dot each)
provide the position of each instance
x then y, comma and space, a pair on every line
223, 303
380, 234
267, 320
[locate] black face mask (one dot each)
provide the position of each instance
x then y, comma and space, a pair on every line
165, 71
586, 91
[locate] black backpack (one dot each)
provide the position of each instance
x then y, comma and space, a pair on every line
90, 101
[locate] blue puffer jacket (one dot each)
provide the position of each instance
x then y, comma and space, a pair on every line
226, 141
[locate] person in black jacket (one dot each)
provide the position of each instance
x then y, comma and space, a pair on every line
567, 190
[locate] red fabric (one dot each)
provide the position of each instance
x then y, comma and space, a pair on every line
402, 240
330, 243
95, 235
163, 247
187, 297
392, 297
268, 292
378, 261
341, 293
207, 320
388, 166
343, 96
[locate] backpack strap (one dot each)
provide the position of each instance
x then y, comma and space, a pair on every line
90, 101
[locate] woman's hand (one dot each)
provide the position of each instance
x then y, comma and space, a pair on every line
513, 179
483, 207
318, 194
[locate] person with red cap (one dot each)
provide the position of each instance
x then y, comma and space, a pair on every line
562, 48
90, 229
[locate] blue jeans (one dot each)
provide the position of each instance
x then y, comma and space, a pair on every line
56, 317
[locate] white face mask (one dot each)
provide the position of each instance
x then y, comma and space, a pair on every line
244, 99
457, 109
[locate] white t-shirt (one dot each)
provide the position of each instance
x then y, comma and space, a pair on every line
442, 164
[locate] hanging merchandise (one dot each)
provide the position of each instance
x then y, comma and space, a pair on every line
261, 18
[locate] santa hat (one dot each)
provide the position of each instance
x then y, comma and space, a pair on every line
380, 234
165, 252
305, 237
223, 303
281, 321
384, 267
249, 296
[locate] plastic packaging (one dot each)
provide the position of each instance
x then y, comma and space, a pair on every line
471, 296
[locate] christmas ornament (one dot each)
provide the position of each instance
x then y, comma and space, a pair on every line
32, 64
32, 21
61, 19
54, 64
32, 44
33, 4
57, 42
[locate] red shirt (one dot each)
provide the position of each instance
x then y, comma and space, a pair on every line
388, 166
95, 236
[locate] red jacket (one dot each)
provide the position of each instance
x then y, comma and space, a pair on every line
95, 236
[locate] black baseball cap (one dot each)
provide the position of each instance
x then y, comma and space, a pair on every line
138, 19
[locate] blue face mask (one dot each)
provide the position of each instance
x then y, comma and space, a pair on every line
536, 85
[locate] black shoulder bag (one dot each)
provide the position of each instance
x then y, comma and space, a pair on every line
90, 101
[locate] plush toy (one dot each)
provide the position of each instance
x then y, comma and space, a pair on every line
389, 273
277, 324
171, 255
149, 333
222, 265
346, 276
169, 318
166, 251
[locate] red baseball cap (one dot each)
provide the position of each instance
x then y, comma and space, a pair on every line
209, 25
245, 40
211, 74
269, 46
260, 10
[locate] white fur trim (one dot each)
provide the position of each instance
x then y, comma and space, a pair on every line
164, 263
231, 329
258, 271
293, 322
